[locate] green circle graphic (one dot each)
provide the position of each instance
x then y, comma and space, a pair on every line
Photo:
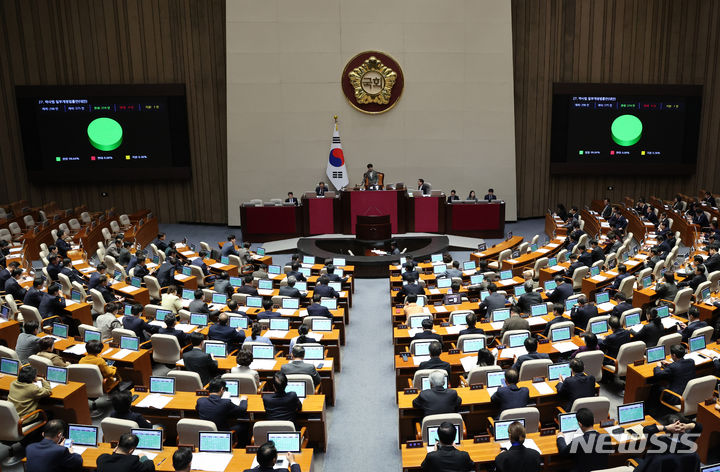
626, 130
105, 134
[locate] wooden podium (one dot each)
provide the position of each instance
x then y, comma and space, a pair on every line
373, 228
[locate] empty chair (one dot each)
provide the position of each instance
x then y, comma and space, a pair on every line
696, 391
113, 428
188, 429
98, 302
166, 349
504, 254
153, 287
683, 301
562, 256
595, 319
706, 331
437, 420
578, 276
107, 235
205, 247
74, 225
16, 429
534, 368
698, 291
85, 217
7, 353
530, 414
124, 221
29, 221
659, 266
593, 361
626, 286
15, 230
186, 381
668, 340
600, 407
30, 313
540, 263
114, 227
628, 353
262, 428
65, 284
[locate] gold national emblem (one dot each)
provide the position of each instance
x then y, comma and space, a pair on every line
372, 81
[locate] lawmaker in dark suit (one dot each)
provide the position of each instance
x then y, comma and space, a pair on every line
437, 399
166, 272
532, 354
52, 304
493, 301
324, 289
198, 305
222, 411
586, 461
680, 433
267, 458
295, 272
578, 385
574, 265
471, 320
713, 261
622, 305
122, 409
267, 312
694, 322
677, 374
200, 262
584, 257
510, 396
289, 290
529, 298
221, 331
596, 253
182, 337
445, 457
490, 196
612, 342
423, 187
518, 457
435, 349
12, 285
652, 331
49, 454
247, 286
196, 360
410, 274
95, 276
160, 243
281, 405
410, 288
291, 199
34, 295
123, 460
559, 318
134, 323
582, 312
316, 309
700, 218
228, 248
697, 278
607, 209
426, 333
299, 366
562, 292
71, 273
62, 246
622, 274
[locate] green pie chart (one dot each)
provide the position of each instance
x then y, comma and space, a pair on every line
626, 130
105, 134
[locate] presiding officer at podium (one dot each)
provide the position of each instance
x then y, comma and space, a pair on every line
320, 189
371, 177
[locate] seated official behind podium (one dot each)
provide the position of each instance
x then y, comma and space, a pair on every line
196, 360
435, 349
281, 405
423, 187
298, 365
267, 458
510, 396
595, 457
320, 189
472, 197
291, 199
437, 399
445, 457
50, 454
453, 196
371, 177
518, 457
578, 385
222, 411
490, 196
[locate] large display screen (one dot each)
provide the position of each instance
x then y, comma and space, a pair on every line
620, 129
104, 132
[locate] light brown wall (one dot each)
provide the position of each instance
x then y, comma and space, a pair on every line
615, 41
75, 42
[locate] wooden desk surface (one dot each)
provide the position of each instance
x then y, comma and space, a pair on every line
72, 396
494, 251
525, 260
709, 417
186, 401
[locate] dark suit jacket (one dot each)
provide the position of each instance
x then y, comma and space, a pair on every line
166, 274
291, 292
292, 200
123, 463
650, 333
325, 291
518, 458
713, 263
247, 289
33, 297
666, 291
320, 191
317, 309
597, 254
437, 400
220, 411
607, 211
586, 462
94, 280
576, 386
141, 271
436, 363
529, 357
197, 361
585, 258
106, 292
619, 309
678, 374
612, 342
63, 247
490, 197
561, 293
301, 367
281, 406
138, 326
266, 315
299, 276
427, 335
226, 334
471, 331
132, 416
447, 458
293, 468
580, 315
410, 276
410, 289
13, 288
693, 282
511, 396
529, 299
492, 302
53, 271
47, 456
228, 249
51, 306
687, 332
618, 279
425, 189
549, 325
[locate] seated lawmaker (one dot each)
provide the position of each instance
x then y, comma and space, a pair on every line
12, 285
281, 405
518, 457
122, 409
694, 322
94, 348
410, 288
198, 305
267, 312
124, 458
677, 373
578, 385
562, 292
332, 276
530, 298
25, 394
247, 287
34, 295
244, 358
435, 349
228, 249
427, 332
298, 365
594, 458
222, 331
583, 312
255, 336
316, 309
222, 411
492, 302
437, 399
196, 360
267, 457
558, 311
289, 290
680, 434
510, 396
324, 289
531, 345
50, 454
134, 323
652, 331
610, 345
170, 300
471, 320
61, 243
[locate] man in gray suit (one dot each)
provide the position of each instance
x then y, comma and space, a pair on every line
290, 290
371, 176
492, 302
298, 366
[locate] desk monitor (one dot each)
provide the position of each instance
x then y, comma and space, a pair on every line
632, 319
705, 293
215, 348
568, 422
560, 334
162, 385
186, 270
274, 269
149, 439
92, 335
422, 348
458, 319
5, 312
519, 290
595, 270
436, 258
624, 257
215, 441
265, 284
290, 303
128, 309
552, 261
473, 345
556, 370
477, 279
569, 304
631, 413
60, 330
280, 324
297, 386
403, 260
501, 314
496, 379
309, 260
9, 366
314, 353
469, 265
484, 295
338, 261
232, 387
219, 298
517, 340
501, 428
452, 299
533, 247
236, 281
539, 310
646, 281
76, 296
663, 311
599, 327
337, 286
302, 286
83, 435
506, 274
710, 468
415, 321
156, 260
439, 269
444, 283
263, 351
160, 314
655, 354
329, 303
433, 435
339, 272
286, 442
260, 251
253, 302
305, 271
56, 374
550, 285
426, 382
225, 260
421, 300
238, 322
696, 343
321, 324
188, 294
199, 319
118, 275
602, 297
482, 246
131, 343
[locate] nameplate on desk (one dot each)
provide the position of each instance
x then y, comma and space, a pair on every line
454, 351
639, 362
201, 393
437, 304
477, 386
410, 391
547, 432
403, 326
481, 438
140, 388
444, 324
413, 444
709, 401
473, 300
538, 379
254, 449
543, 341
607, 423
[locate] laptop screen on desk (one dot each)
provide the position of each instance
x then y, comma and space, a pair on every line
91, 335
285, 442
186, 270
199, 319
599, 327
484, 295
305, 271
433, 435
556, 370
519, 290
76, 296
594, 271
263, 352
501, 429
60, 330
9, 366
459, 319
568, 422
265, 284
337, 286
260, 251
56, 374
150, 439
238, 322
550, 285
655, 354
314, 353
646, 281
219, 298
506, 274
215, 441
569, 304
560, 334
296, 386
469, 265
539, 310
696, 343
602, 297
422, 349
711, 468
308, 260
705, 293
517, 340
274, 269
415, 321
5, 312
495, 379
631, 413
501, 314
216, 349
128, 309
232, 387
439, 269
280, 324
253, 302
436, 258
302, 286
236, 281
477, 279
188, 294
129, 342
444, 283
225, 260
161, 314
663, 311
552, 261
473, 345
83, 435
322, 324
632, 319
338, 261
426, 382
329, 303
290, 303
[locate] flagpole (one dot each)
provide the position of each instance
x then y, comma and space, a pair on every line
335, 117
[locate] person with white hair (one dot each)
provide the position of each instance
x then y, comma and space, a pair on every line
438, 399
